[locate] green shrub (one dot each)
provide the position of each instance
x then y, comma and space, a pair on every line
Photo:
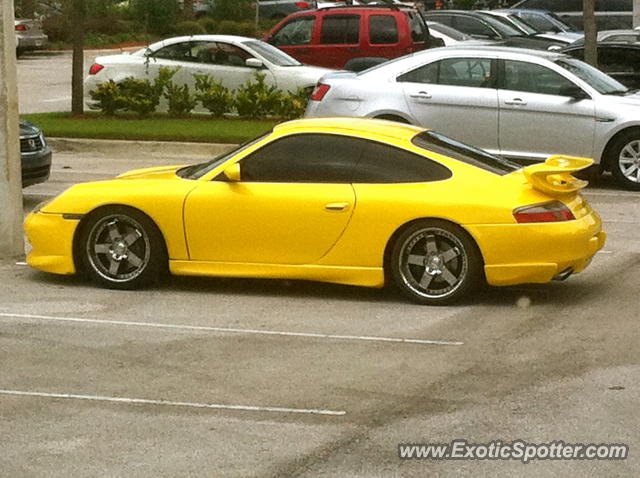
159, 16
238, 10
189, 27
228, 27
180, 99
108, 98
293, 105
139, 96
256, 99
213, 95
248, 29
208, 24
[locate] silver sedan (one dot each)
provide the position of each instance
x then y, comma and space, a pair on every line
521, 104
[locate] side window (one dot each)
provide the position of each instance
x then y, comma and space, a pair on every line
177, 52
296, 32
627, 38
340, 29
304, 158
381, 163
532, 78
425, 74
222, 54
472, 26
473, 72
618, 60
383, 29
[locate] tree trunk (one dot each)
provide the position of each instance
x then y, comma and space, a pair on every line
78, 14
187, 9
590, 32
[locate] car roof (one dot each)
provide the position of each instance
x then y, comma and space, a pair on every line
497, 50
358, 126
223, 38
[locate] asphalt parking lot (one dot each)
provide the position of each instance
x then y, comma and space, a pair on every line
239, 377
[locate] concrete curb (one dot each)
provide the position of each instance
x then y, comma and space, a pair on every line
123, 148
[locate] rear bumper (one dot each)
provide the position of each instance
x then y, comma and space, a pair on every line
537, 253
31, 42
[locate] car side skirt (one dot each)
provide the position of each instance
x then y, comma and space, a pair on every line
360, 276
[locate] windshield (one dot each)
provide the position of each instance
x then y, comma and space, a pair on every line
599, 81
271, 53
441, 144
523, 25
502, 26
448, 31
196, 171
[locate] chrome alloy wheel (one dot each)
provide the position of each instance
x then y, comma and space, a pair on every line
629, 161
118, 248
433, 263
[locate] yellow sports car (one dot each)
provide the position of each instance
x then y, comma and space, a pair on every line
345, 200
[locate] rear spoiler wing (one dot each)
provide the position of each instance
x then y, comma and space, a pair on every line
554, 176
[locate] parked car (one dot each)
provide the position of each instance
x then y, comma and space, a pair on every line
448, 35
620, 36
521, 104
525, 28
610, 14
342, 200
351, 37
618, 60
35, 154
29, 35
483, 26
544, 21
282, 8
231, 59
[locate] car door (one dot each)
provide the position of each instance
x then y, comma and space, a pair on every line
456, 96
295, 38
537, 116
291, 206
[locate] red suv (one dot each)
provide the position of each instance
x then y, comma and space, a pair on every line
351, 37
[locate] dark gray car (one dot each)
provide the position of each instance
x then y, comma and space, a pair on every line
282, 8
35, 154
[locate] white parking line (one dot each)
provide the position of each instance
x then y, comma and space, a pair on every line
613, 194
145, 401
620, 221
604, 252
234, 331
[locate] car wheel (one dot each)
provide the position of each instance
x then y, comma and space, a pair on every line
122, 249
435, 263
625, 160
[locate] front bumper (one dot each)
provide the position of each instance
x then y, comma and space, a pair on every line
51, 240
538, 253
36, 166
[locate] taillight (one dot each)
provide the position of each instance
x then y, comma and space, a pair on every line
552, 211
303, 5
319, 91
95, 68
21, 28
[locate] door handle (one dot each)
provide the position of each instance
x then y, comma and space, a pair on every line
336, 206
422, 95
515, 101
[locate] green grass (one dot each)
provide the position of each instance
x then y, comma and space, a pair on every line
156, 128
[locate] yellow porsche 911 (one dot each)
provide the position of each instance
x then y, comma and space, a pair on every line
344, 200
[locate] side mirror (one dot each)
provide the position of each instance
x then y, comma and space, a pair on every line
232, 173
574, 92
253, 63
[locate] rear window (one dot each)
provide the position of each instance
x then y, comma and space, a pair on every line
441, 144
340, 29
383, 29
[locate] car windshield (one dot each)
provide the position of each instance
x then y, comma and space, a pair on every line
271, 53
599, 81
450, 32
560, 21
196, 171
502, 26
514, 22
441, 144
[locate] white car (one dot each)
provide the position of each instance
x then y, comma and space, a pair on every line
230, 59
29, 35
520, 104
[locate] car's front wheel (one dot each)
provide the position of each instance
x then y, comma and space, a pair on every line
122, 248
625, 160
435, 263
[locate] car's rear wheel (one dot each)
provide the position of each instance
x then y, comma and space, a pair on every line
122, 249
435, 263
624, 160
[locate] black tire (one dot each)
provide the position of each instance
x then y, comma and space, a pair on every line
121, 248
440, 254
624, 159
